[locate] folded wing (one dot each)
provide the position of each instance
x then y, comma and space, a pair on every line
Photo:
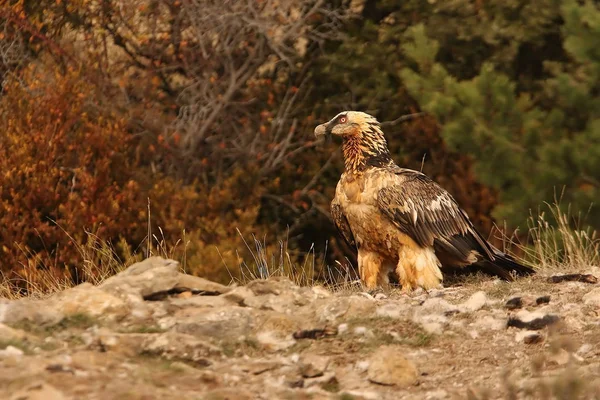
428, 214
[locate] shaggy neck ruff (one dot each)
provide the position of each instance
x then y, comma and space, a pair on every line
366, 149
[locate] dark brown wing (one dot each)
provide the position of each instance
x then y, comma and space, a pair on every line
341, 223
428, 214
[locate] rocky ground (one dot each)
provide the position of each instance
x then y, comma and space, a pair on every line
151, 332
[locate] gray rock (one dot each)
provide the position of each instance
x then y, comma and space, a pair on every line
388, 366
592, 298
439, 394
433, 314
88, 299
474, 303
274, 341
39, 391
197, 284
528, 337
238, 295
489, 322
178, 346
559, 357
200, 301
10, 334
320, 292
222, 323
38, 312
283, 303
437, 305
312, 365
153, 275
393, 309
275, 285
335, 308
260, 366
11, 351
328, 378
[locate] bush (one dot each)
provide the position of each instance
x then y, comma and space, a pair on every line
67, 168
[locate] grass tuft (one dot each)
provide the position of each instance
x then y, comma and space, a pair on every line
561, 242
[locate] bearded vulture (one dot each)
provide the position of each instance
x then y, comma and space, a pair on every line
398, 218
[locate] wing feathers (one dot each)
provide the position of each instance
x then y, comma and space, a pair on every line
341, 223
429, 215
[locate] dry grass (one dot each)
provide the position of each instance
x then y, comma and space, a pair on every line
557, 241
279, 261
100, 261
562, 242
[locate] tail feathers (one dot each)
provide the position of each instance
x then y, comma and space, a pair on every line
504, 266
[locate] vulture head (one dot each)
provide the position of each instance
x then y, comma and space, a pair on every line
347, 124
363, 142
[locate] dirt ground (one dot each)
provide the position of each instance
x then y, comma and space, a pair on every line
476, 339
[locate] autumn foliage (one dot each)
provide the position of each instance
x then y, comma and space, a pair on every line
130, 127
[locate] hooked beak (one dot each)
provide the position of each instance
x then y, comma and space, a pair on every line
321, 130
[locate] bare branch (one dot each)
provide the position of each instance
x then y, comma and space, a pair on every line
403, 118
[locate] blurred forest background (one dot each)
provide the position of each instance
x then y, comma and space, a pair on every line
203, 111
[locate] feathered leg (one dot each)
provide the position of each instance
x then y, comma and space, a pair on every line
418, 267
369, 266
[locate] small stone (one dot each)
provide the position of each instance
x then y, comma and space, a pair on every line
437, 305
279, 303
38, 312
88, 299
272, 342
433, 314
361, 331
178, 346
561, 357
327, 381
592, 298
474, 303
145, 278
335, 308
433, 327
293, 381
585, 349
39, 391
389, 367
394, 309
275, 285
320, 292
222, 323
533, 339
439, 394
528, 337
199, 301
313, 365
342, 328
261, 366
8, 334
362, 365
200, 285
238, 295
11, 351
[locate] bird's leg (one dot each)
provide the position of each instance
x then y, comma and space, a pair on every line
369, 265
418, 267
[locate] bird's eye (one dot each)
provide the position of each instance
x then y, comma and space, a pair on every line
342, 120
